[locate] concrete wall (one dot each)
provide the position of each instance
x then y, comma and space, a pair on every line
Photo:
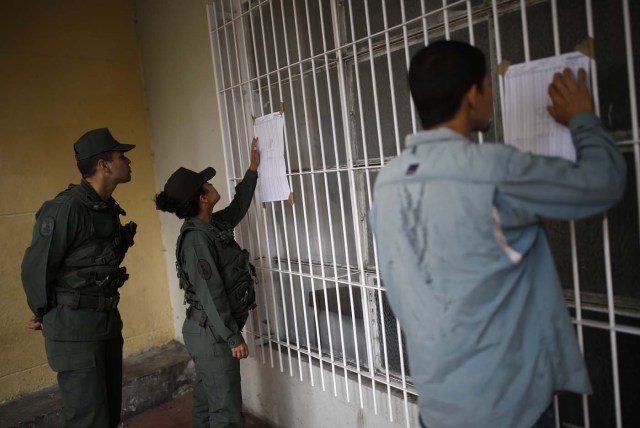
281, 398
182, 107
67, 67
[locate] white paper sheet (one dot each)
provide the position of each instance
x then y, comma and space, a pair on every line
527, 124
274, 185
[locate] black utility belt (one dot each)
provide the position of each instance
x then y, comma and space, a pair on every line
77, 300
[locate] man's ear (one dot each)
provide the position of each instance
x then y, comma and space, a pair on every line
102, 165
472, 95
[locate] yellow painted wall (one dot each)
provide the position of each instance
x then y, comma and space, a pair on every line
67, 67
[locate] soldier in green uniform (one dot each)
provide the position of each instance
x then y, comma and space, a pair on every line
71, 274
218, 280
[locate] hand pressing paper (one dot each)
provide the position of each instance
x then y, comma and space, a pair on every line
527, 124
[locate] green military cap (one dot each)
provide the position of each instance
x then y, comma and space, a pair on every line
98, 141
184, 183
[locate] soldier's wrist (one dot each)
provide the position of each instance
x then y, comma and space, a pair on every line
235, 340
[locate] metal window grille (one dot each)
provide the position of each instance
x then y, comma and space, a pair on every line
339, 70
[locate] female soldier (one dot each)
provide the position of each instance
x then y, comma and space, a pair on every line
218, 280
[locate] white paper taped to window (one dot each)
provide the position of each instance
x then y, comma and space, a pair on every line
274, 185
527, 123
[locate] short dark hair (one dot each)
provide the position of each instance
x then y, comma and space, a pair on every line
440, 75
166, 203
88, 166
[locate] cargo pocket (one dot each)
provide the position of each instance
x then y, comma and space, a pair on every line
61, 362
195, 339
191, 327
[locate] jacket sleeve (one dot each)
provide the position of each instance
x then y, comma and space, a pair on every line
204, 276
239, 206
53, 233
557, 188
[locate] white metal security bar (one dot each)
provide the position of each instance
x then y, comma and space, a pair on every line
338, 68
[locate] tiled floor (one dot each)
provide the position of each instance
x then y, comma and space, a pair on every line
177, 414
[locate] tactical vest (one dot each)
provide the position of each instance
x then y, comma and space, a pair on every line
93, 265
237, 273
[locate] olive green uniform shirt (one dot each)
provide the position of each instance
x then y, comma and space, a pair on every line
206, 251
75, 247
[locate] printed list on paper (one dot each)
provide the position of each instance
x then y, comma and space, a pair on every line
274, 185
528, 125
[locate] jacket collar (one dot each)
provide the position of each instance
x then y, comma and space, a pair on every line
87, 195
437, 135
90, 191
199, 224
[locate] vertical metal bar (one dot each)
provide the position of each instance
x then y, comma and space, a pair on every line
405, 39
612, 321
308, 133
425, 33
356, 225
257, 209
554, 23
377, 277
605, 239
242, 104
254, 238
578, 303
295, 217
324, 175
394, 110
472, 41
403, 377
282, 293
229, 188
378, 288
525, 30
556, 412
233, 98
222, 107
574, 251
395, 128
273, 295
335, 150
304, 209
633, 102
284, 218
373, 83
244, 119
349, 152
266, 266
266, 232
445, 18
594, 69
243, 128
496, 27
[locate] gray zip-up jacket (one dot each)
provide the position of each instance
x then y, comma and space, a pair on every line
468, 271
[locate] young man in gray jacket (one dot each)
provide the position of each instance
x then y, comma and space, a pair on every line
463, 251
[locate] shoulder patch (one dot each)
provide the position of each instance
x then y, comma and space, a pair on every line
46, 226
204, 269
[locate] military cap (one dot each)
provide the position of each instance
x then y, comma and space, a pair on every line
98, 141
184, 183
